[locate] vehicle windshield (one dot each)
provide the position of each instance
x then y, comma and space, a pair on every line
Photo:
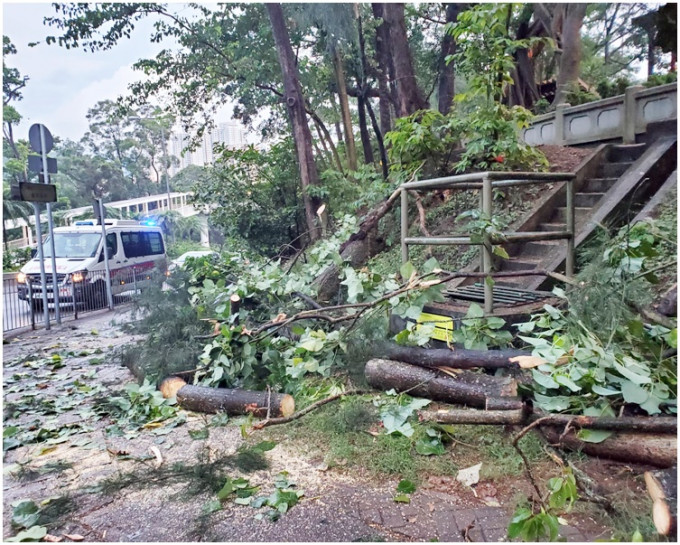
73, 245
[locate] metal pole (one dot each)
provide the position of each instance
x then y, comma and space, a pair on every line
41, 258
50, 226
165, 167
404, 225
30, 302
487, 255
569, 268
109, 293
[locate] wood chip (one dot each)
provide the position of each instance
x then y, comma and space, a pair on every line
52, 539
74, 537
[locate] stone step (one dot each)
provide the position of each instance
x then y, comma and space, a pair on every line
587, 200
580, 214
614, 170
548, 226
598, 185
540, 248
519, 264
625, 152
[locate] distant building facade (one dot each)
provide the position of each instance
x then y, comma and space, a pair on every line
231, 135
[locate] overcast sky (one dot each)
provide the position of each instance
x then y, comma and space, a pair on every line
65, 83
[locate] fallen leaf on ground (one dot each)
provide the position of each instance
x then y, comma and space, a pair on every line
53, 539
157, 453
470, 475
74, 537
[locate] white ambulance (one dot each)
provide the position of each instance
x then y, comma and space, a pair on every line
135, 251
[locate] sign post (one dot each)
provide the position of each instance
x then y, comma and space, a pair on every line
109, 293
50, 224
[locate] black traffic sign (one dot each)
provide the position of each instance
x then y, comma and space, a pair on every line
35, 164
37, 192
34, 138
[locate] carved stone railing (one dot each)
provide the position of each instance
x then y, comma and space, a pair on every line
616, 118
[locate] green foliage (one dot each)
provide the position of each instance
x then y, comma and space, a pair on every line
529, 526
143, 404
13, 260
254, 195
479, 333
354, 190
661, 79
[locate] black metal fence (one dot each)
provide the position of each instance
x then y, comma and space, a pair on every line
78, 293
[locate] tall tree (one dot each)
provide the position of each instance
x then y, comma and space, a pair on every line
446, 69
385, 70
410, 98
298, 118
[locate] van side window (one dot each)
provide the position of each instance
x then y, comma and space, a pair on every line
138, 244
111, 242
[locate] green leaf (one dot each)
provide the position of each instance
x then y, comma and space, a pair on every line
406, 487
406, 270
34, 533
632, 393
475, 311
429, 447
637, 537
201, 433
264, 446
601, 390
593, 436
566, 381
226, 490
500, 251
402, 498
211, 507
25, 514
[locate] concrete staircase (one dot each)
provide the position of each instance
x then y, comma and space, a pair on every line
610, 187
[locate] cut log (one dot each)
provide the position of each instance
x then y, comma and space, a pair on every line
232, 401
662, 487
631, 424
504, 404
474, 416
458, 358
643, 448
467, 388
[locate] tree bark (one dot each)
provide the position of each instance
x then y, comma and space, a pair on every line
356, 250
474, 416
566, 29
662, 487
295, 105
467, 388
410, 98
363, 128
344, 109
458, 358
446, 71
643, 448
385, 69
231, 401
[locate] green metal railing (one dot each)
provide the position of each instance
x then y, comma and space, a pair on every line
487, 182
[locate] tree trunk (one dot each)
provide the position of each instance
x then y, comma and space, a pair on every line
458, 358
662, 486
298, 118
410, 98
467, 388
567, 25
656, 450
344, 109
230, 401
361, 246
363, 128
630, 424
384, 163
446, 71
474, 416
385, 70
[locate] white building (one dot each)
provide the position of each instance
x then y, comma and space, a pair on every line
231, 134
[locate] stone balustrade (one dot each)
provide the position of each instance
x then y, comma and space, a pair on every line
619, 118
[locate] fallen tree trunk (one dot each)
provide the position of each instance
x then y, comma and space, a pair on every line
474, 416
357, 249
466, 388
662, 487
501, 412
458, 358
643, 448
228, 400
632, 424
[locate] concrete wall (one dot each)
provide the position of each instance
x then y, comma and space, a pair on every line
619, 118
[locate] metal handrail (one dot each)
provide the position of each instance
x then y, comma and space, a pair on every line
486, 181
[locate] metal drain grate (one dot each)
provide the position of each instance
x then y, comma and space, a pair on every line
502, 295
